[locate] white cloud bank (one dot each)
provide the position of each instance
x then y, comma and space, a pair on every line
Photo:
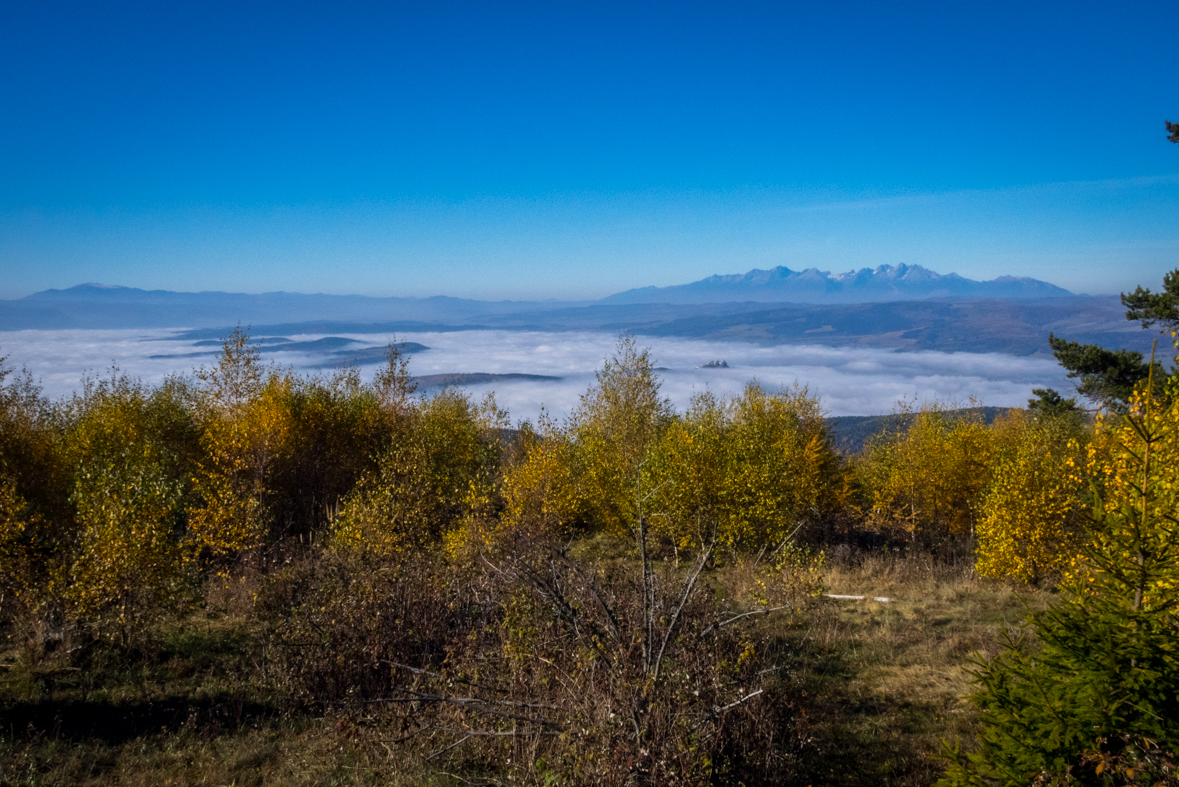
850, 381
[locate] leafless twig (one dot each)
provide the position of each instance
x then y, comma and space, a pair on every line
419, 671
684, 596
735, 618
473, 703
448, 748
715, 713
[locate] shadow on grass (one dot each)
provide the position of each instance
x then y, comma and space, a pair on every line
114, 723
195, 681
866, 739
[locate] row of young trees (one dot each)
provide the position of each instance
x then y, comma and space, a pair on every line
118, 502
1013, 488
124, 498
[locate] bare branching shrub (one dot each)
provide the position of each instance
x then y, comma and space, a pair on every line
530, 665
637, 676
338, 626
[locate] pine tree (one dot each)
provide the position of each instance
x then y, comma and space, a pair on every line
1096, 700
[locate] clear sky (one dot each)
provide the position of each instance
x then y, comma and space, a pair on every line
571, 150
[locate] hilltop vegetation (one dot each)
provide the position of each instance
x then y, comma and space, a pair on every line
254, 575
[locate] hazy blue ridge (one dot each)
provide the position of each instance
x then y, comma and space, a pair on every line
426, 382
337, 349
956, 322
867, 285
102, 306
1016, 327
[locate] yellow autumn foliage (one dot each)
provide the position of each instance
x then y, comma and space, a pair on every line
35, 514
540, 489
114, 504
1139, 480
926, 478
16, 556
1030, 523
582, 476
245, 424
751, 468
432, 476
333, 428
125, 446
611, 432
282, 451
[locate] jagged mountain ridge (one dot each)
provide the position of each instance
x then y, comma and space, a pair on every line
110, 306
867, 285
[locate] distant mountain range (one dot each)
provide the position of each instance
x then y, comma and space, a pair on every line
867, 285
107, 306
1015, 327
902, 307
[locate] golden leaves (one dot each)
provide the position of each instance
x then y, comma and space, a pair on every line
1029, 516
926, 477
753, 467
439, 470
127, 493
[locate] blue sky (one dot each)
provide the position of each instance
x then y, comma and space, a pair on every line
573, 150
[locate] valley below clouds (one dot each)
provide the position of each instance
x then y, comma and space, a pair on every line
849, 380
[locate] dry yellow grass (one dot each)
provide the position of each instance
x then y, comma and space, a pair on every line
887, 680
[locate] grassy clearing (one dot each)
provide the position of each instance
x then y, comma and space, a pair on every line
880, 686
886, 681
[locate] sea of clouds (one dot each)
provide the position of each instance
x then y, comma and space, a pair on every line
849, 381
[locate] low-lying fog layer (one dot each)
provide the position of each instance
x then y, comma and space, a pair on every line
849, 381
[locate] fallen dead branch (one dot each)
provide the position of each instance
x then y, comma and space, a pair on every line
839, 597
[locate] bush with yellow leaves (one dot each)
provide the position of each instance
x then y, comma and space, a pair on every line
925, 478
754, 467
242, 408
437, 471
1030, 524
540, 489
17, 555
1096, 699
127, 445
1127, 456
36, 519
582, 476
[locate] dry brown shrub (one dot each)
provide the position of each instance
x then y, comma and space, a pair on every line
336, 626
526, 665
